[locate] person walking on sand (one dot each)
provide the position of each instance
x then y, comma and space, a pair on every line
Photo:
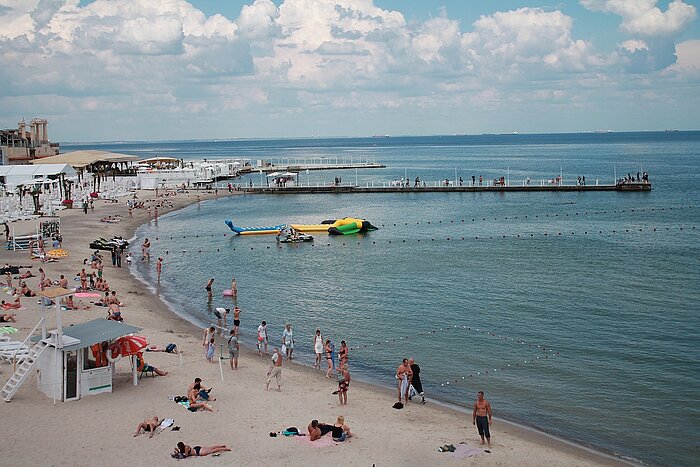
403, 376
318, 348
262, 338
415, 380
236, 318
275, 370
481, 417
159, 268
233, 349
288, 340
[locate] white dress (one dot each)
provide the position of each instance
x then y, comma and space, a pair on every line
318, 344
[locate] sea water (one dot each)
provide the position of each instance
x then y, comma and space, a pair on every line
576, 313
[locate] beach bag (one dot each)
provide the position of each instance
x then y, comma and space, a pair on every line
284, 348
398, 405
170, 347
291, 431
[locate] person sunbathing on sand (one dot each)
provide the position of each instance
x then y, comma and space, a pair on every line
26, 275
340, 430
26, 291
148, 425
11, 306
316, 429
183, 451
192, 397
8, 318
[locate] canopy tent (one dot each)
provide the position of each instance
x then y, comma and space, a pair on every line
14, 175
82, 159
159, 159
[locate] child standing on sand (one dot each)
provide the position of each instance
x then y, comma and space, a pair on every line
211, 350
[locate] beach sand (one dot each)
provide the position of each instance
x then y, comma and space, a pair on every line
99, 429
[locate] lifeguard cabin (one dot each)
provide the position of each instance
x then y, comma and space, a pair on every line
70, 363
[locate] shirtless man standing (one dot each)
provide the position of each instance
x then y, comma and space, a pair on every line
236, 318
404, 375
481, 417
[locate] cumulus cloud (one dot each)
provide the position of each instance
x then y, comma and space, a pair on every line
645, 18
159, 59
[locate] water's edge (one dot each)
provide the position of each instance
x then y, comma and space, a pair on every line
533, 432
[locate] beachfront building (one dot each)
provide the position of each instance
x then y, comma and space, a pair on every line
69, 363
22, 146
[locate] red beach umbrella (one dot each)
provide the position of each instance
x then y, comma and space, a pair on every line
130, 345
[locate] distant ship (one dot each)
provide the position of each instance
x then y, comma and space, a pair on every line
381, 136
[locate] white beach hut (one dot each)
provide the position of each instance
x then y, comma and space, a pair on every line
69, 363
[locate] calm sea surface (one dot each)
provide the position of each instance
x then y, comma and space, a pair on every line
610, 294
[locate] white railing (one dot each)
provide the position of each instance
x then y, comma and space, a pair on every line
23, 345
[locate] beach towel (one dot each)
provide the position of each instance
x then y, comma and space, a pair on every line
322, 442
465, 450
87, 295
164, 424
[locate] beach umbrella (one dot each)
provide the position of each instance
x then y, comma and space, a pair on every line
57, 253
131, 345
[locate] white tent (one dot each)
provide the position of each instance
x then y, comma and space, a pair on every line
13, 175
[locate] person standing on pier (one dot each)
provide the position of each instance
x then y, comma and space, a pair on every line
481, 417
473, 180
481, 179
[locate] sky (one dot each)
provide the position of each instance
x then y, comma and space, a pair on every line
126, 70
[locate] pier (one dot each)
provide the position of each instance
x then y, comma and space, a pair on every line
337, 189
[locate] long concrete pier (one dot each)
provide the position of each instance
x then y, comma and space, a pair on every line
293, 190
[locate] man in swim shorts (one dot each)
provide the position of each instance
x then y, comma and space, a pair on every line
236, 318
220, 314
481, 417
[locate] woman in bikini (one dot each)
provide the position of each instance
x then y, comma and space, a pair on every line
328, 347
184, 451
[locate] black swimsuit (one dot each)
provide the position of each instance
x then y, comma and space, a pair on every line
196, 449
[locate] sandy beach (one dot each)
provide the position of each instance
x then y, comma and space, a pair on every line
99, 429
